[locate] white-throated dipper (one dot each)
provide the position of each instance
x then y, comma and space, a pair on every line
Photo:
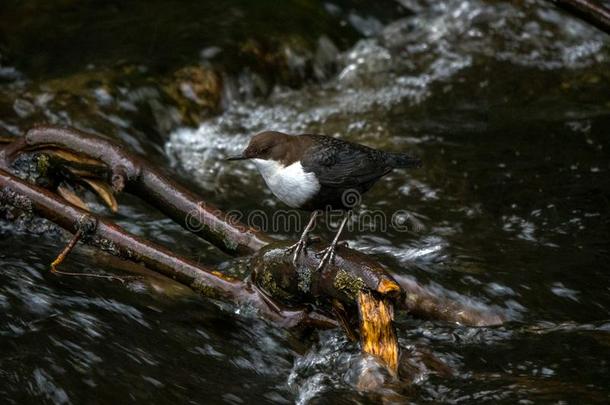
317, 172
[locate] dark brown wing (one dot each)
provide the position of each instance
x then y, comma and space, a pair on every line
342, 164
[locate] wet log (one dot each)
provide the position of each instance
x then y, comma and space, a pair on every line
422, 302
348, 274
273, 271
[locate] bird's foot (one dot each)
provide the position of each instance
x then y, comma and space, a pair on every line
342, 244
301, 245
297, 248
304, 240
328, 254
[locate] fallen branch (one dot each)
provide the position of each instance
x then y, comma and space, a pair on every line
422, 302
114, 240
130, 172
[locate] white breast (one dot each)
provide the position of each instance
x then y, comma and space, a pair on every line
291, 184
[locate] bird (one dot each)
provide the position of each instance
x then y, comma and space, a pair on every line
314, 173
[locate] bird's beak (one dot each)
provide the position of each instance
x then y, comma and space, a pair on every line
237, 157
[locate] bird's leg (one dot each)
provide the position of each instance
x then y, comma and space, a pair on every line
329, 252
298, 247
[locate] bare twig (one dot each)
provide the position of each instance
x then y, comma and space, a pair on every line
66, 251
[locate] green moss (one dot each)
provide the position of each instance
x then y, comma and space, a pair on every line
205, 289
348, 284
110, 247
269, 284
42, 164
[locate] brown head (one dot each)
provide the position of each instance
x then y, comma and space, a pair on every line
272, 145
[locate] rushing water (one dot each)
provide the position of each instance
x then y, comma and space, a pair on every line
507, 104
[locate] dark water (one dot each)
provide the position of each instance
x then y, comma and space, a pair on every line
507, 103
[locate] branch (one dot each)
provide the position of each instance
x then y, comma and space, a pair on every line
424, 303
134, 174
111, 238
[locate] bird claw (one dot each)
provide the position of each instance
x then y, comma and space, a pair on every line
328, 255
321, 252
300, 245
329, 252
297, 247
343, 244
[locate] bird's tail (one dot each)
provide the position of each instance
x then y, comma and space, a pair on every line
397, 160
